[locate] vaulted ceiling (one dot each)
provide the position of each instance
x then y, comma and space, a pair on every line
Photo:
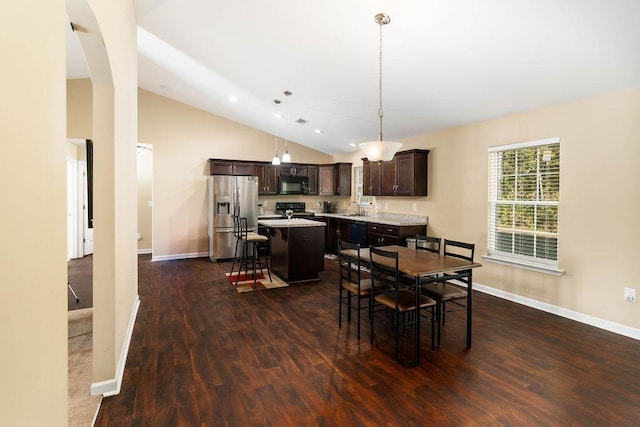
445, 63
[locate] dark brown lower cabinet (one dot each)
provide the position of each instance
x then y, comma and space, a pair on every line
383, 235
376, 234
338, 230
297, 253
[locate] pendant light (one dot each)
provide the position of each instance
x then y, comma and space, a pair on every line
276, 159
380, 150
286, 158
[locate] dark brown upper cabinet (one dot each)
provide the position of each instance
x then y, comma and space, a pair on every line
267, 178
335, 180
230, 167
291, 169
313, 180
404, 175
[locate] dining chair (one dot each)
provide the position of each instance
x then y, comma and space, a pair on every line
388, 293
443, 290
423, 243
428, 243
251, 251
354, 282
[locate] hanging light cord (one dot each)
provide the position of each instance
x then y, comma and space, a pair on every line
381, 19
276, 101
276, 159
286, 118
381, 22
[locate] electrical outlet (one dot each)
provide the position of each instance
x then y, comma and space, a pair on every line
386, 205
630, 294
415, 207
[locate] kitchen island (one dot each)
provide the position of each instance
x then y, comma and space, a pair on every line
297, 248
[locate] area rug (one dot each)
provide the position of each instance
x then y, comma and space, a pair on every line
245, 282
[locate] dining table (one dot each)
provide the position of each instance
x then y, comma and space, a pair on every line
420, 264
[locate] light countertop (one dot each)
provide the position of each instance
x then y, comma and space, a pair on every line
397, 220
269, 216
293, 223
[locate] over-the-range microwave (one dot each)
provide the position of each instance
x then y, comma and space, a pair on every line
293, 185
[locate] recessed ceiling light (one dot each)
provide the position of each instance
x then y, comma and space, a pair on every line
317, 131
352, 144
279, 116
233, 99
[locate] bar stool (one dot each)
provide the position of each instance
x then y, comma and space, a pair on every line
237, 238
251, 248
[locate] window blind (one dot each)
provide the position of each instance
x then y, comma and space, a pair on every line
524, 196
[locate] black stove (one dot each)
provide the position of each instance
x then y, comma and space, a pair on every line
298, 208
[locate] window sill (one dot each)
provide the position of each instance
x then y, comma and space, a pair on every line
539, 268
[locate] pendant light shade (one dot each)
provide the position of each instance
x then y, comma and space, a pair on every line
286, 157
380, 150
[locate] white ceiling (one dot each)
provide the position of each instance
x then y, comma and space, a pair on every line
445, 63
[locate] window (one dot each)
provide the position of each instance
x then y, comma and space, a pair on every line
524, 195
362, 200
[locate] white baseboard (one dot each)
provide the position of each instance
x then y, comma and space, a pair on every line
144, 251
560, 311
112, 386
179, 256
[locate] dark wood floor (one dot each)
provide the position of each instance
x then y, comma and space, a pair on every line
204, 355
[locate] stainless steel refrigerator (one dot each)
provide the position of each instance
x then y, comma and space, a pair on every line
224, 193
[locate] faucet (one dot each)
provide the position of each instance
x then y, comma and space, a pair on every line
359, 211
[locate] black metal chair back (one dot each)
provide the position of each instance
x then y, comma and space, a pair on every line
349, 265
353, 283
460, 250
428, 243
388, 292
445, 291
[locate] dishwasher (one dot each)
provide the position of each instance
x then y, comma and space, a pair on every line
358, 233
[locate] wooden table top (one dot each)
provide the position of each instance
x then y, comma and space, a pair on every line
419, 263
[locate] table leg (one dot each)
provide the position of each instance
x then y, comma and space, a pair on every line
417, 318
469, 308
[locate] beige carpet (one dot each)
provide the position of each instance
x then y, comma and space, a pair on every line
82, 406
